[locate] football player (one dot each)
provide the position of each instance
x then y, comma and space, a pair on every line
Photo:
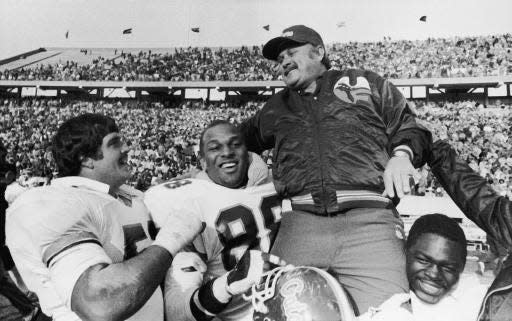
436, 255
78, 242
241, 217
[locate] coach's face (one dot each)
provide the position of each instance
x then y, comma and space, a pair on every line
434, 264
225, 158
301, 66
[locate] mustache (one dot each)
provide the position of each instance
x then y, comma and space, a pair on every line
287, 70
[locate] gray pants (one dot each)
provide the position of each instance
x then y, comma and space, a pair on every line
363, 248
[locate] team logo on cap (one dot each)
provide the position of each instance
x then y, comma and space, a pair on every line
353, 93
288, 34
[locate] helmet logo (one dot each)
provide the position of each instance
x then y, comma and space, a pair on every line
288, 34
294, 310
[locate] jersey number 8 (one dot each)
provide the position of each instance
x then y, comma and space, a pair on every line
241, 228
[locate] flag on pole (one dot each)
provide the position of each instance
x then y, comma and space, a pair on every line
423, 18
67, 34
127, 31
196, 29
267, 27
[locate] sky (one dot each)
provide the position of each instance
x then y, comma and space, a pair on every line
29, 24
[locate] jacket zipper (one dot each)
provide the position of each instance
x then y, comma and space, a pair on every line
312, 101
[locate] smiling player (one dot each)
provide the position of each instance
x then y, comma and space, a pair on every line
241, 213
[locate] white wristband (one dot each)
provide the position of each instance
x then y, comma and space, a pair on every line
402, 151
220, 289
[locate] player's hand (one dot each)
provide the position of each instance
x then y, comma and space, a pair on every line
214, 295
397, 176
188, 269
247, 272
250, 269
179, 230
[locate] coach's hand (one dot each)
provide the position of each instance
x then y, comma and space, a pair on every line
178, 230
397, 176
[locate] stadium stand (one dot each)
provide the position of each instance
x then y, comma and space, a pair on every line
432, 58
164, 137
163, 132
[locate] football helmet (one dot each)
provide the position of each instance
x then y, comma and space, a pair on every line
300, 294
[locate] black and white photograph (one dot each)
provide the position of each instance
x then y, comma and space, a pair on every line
266, 160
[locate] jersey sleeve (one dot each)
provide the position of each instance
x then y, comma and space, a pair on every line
69, 265
56, 243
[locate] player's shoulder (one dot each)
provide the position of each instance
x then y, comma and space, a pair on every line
46, 213
180, 187
46, 196
130, 191
267, 188
51, 204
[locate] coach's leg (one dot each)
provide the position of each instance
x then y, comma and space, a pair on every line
370, 261
304, 239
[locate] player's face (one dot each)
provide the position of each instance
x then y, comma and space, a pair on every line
225, 156
434, 264
113, 168
300, 66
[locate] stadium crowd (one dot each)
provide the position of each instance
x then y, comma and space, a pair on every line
164, 138
445, 57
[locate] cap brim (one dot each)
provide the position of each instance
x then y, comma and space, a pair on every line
273, 47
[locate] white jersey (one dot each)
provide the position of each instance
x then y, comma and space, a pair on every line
57, 232
236, 220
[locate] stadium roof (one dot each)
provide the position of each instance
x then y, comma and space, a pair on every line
464, 82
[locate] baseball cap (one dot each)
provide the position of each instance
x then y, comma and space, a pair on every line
291, 37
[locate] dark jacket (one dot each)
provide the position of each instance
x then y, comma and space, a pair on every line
491, 212
338, 138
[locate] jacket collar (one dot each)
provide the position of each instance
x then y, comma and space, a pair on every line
319, 82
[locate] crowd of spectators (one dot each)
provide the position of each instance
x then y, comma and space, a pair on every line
431, 58
164, 139
481, 136
445, 57
184, 64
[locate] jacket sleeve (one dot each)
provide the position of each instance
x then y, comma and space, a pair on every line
252, 132
471, 192
401, 125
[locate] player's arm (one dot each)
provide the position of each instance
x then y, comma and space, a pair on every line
471, 192
116, 291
